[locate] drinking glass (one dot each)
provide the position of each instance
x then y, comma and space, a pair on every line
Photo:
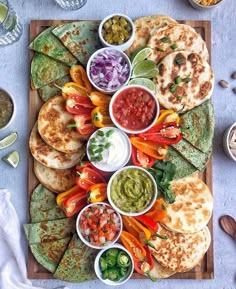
71, 4
10, 27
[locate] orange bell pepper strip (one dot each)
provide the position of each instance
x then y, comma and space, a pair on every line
99, 99
73, 88
97, 193
158, 211
61, 197
100, 117
167, 115
151, 148
79, 76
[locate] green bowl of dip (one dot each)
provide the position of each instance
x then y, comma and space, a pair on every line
7, 109
132, 191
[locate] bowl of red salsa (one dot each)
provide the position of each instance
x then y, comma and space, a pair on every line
134, 109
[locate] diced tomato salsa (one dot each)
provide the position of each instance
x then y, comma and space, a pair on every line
134, 108
99, 225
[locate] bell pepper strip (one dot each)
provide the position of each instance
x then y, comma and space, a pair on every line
166, 133
167, 115
61, 197
148, 222
88, 177
99, 99
79, 75
73, 88
158, 211
144, 267
97, 193
128, 226
79, 104
100, 117
83, 123
141, 159
74, 203
151, 148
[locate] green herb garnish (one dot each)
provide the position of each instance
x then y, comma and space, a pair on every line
173, 87
186, 80
179, 60
165, 40
173, 46
179, 98
160, 49
177, 80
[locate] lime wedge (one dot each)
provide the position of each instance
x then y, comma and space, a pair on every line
141, 55
148, 83
12, 159
3, 12
145, 68
8, 140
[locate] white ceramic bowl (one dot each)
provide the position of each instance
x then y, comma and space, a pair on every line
130, 131
126, 44
134, 212
14, 109
81, 236
226, 141
196, 5
91, 59
121, 149
99, 272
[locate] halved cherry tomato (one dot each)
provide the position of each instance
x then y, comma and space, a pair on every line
88, 177
79, 104
141, 159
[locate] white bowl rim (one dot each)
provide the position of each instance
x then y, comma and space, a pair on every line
126, 213
204, 6
98, 271
129, 147
128, 87
228, 130
85, 241
14, 109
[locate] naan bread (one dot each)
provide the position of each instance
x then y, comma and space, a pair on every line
52, 126
50, 157
181, 35
186, 95
192, 208
180, 252
57, 181
145, 26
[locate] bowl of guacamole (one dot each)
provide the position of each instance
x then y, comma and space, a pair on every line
132, 191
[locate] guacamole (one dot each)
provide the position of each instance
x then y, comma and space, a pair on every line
132, 190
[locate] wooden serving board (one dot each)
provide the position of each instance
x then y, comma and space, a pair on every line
205, 269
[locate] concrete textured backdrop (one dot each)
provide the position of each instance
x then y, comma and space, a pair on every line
14, 77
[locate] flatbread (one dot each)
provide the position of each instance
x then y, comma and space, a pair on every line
77, 264
186, 95
43, 206
198, 125
81, 38
52, 126
47, 43
44, 70
180, 252
192, 208
50, 157
145, 26
49, 254
183, 36
49, 231
57, 181
160, 272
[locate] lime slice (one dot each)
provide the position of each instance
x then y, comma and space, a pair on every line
3, 12
8, 140
148, 83
141, 55
12, 159
145, 68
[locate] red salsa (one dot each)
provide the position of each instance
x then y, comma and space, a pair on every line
134, 108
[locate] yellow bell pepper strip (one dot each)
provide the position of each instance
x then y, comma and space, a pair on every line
99, 99
79, 76
73, 88
158, 211
167, 115
151, 148
100, 117
97, 193
61, 197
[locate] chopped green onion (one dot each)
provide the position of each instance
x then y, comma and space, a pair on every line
177, 80
173, 87
109, 132
100, 133
179, 98
107, 145
165, 40
173, 46
93, 140
92, 146
186, 80
99, 150
160, 49
99, 157
179, 60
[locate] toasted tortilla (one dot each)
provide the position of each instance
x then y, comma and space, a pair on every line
186, 95
81, 38
49, 231
77, 264
44, 70
49, 254
52, 126
47, 43
198, 125
43, 206
160, 272
57, 181
183, 36
192, 208
50, 157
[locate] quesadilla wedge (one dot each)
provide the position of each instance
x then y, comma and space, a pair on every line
47, 43
160, 272
77, 263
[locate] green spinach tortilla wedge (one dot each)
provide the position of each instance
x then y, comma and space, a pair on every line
77, 263
48, 44
43, 206
44, 70
199, 126
49, 254
81, 38
49, 231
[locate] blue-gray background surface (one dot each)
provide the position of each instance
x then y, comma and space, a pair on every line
14, 77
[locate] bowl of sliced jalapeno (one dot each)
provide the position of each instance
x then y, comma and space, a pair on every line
114, 265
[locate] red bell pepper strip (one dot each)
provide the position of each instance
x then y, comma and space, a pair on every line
83, 123
165, 133
74, 203
141, 159
79, 104
144, 267
148, 222
88, 177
